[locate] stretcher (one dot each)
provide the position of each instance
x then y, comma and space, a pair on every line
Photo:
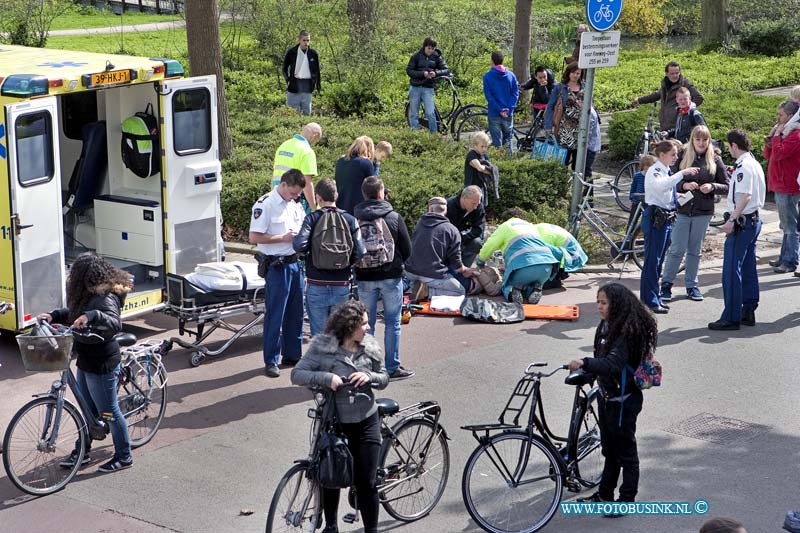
544, 312
207, 310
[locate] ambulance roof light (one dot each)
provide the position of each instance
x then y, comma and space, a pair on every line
174, 68
25, 85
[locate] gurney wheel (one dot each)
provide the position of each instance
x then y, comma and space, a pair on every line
197, 358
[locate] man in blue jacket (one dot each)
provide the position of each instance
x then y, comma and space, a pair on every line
502, 91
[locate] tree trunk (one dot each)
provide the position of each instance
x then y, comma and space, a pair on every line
522, 43
714, 15
205, 57
361, 15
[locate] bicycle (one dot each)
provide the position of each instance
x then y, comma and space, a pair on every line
651, 134
45, 431
413, 468
526, 136
458, 118
514, 479
628, 245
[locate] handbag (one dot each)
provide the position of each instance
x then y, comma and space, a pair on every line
558, 113
334, 468
549, 150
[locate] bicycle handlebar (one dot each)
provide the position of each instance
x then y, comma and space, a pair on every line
530, 372
85, 334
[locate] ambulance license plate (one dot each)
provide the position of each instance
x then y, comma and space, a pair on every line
112, 77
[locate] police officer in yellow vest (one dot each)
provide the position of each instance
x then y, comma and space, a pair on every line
298, 152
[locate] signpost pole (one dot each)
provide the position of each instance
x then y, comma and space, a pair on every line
583, 135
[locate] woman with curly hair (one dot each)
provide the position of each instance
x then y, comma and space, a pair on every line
344, 351
96, 291
627, 332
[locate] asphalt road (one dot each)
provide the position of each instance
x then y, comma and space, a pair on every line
230, 432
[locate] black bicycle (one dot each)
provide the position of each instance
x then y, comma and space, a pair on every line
525, 136
452, 115
513, 481
624, 179
413, 467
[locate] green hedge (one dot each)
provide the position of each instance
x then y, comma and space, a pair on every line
422, 165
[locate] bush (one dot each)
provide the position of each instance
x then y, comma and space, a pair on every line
643, 17
775, 38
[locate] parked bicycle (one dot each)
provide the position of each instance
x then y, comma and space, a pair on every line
651, 134
525, 136
44, 432
515, 478
458, 119
413, 467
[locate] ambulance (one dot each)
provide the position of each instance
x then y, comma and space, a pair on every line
71, 190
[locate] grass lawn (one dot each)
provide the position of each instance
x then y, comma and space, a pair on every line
104, 18
165, 43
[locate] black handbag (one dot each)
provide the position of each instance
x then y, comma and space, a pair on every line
335, 462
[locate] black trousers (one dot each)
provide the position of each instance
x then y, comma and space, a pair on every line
618, 442
364, 442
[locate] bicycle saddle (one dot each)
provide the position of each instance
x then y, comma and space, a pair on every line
579, 378
125, 339
386, 406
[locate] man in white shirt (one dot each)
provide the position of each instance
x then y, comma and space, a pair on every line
301, 72
746, 195
275, 220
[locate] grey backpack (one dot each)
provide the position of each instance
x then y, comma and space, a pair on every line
378, 243
331, 241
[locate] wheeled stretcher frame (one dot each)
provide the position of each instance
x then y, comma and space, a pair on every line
190, 304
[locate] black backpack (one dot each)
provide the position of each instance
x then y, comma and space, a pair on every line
141, 149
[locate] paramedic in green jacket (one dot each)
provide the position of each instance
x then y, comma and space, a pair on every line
533, 254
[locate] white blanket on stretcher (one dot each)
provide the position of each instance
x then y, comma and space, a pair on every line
225, 276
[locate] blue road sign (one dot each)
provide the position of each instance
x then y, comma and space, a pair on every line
603, 14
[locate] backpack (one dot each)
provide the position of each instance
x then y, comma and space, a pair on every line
378, 243
141, 149
331, 241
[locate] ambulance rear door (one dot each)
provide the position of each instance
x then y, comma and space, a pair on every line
192, 172
36, 224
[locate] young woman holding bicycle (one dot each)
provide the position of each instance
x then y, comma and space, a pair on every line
96, 291
627, 331
345, 349
694, 215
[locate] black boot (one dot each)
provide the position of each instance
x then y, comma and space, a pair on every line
749, 317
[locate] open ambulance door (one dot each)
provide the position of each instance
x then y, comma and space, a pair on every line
36, 224
191, 172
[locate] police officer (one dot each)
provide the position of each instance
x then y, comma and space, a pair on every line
276, 219
746, 196
661, 200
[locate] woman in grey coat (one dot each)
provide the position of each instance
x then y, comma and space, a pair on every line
344, 352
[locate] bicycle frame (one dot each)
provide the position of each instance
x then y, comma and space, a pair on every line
429, 410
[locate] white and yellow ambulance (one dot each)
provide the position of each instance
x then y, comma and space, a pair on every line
68, 190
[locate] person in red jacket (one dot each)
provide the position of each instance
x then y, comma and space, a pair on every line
783, 155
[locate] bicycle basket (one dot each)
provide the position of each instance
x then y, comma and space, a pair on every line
49, 353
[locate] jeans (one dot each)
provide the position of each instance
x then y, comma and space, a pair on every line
656, 241
449, 285
687, 237
320, 301
100, 391
283, 320
500, 130
391, 291
300, 102
425, 95
788, 215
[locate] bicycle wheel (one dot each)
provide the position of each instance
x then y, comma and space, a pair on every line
622, 185
296, 504
717, 219
30, 459
507, 487
638, 247
586, 448
415, 466
142, 396
471, 120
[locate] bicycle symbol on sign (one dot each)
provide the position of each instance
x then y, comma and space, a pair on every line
603, 12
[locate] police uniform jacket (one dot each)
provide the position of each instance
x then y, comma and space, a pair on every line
748, 178
275, 216
659, 186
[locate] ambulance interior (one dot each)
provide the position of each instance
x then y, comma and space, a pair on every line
107, 208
